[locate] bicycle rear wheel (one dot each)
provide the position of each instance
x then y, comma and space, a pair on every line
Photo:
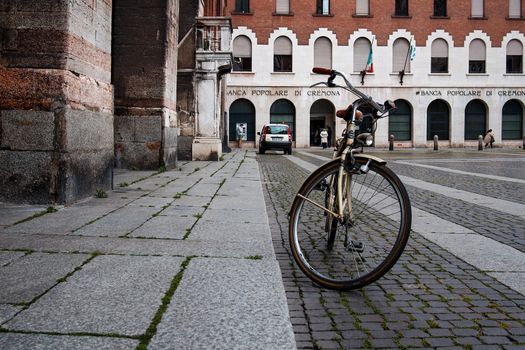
356, 250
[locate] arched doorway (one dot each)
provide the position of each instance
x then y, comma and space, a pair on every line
242, 111
438, 120
400, 121
475, 120
283, 111
512, 121
321, 116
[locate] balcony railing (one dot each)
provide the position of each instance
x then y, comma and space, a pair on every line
214, 34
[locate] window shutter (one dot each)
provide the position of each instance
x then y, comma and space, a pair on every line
514, 48
242, 47
439, 48
361, 7
515, 8
477, 50
282, 6
361, 51
401, 47
282, 46
477, 8
323, 53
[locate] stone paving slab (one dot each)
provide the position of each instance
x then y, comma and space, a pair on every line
14, 341
124, 175
111, 294
203, 190
118, 223
150, 201
225, 216
6, 312
173, 227
241, 187
115, 245
33, 274
227, 304
7, 257
9, 214
234, 231
189, 201
236, 203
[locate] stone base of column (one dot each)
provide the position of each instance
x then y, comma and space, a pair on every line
206, 148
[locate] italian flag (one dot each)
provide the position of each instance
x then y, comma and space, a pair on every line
370, 62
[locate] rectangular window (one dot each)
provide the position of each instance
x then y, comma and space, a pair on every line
242, 64
515, 8
439, 65
242, 6
282, 63
361, 8
401, 8
476, 66
477, 9
323, 7
514, 64
440, 8
282, 7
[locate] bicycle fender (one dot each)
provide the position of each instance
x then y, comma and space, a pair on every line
368, 156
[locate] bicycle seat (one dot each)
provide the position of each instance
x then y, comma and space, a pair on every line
346, 114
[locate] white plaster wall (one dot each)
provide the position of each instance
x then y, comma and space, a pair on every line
383, 83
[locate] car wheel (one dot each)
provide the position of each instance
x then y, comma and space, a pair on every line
261, 150
290, 150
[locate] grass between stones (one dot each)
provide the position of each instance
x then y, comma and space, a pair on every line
152, 329
48, 210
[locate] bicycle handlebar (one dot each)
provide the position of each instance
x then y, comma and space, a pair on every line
333, 73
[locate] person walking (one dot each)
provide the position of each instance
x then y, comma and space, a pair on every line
324, 138
489, 138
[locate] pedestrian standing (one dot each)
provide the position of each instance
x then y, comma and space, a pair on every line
240, 133
489, 138
329, 131
324, 138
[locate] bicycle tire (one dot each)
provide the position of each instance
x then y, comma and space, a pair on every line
380, 224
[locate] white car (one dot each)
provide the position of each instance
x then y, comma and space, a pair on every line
275, 136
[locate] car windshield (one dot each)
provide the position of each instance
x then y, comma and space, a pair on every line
277, 129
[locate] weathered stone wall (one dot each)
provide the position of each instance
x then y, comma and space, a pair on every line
56, 100
144, 75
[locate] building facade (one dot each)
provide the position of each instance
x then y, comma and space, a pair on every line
454, 68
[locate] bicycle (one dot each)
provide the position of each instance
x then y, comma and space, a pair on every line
350, 220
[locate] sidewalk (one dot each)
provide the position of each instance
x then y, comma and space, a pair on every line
181, 259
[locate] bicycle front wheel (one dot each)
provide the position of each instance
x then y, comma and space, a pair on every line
357, 249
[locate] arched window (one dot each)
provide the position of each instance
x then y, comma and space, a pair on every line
323, 53
242, 111
438, 120
439, 59
401, 56
242, 54
282, 58
477, 53
400, 121
512, 121
475, 119
514, 56
361, 51
283, 111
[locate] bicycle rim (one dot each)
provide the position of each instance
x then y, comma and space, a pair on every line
366, 243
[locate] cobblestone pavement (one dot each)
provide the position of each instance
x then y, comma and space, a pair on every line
431, 298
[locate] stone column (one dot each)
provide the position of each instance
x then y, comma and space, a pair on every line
145, 79
56, 104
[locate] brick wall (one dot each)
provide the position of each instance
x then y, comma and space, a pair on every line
381, 22
144, 74
56, 105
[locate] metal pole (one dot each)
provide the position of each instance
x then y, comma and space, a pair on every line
436, 139
480, 143
391, 142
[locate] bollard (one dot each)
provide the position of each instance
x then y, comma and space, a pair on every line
480, 143
391, 143
436, 139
